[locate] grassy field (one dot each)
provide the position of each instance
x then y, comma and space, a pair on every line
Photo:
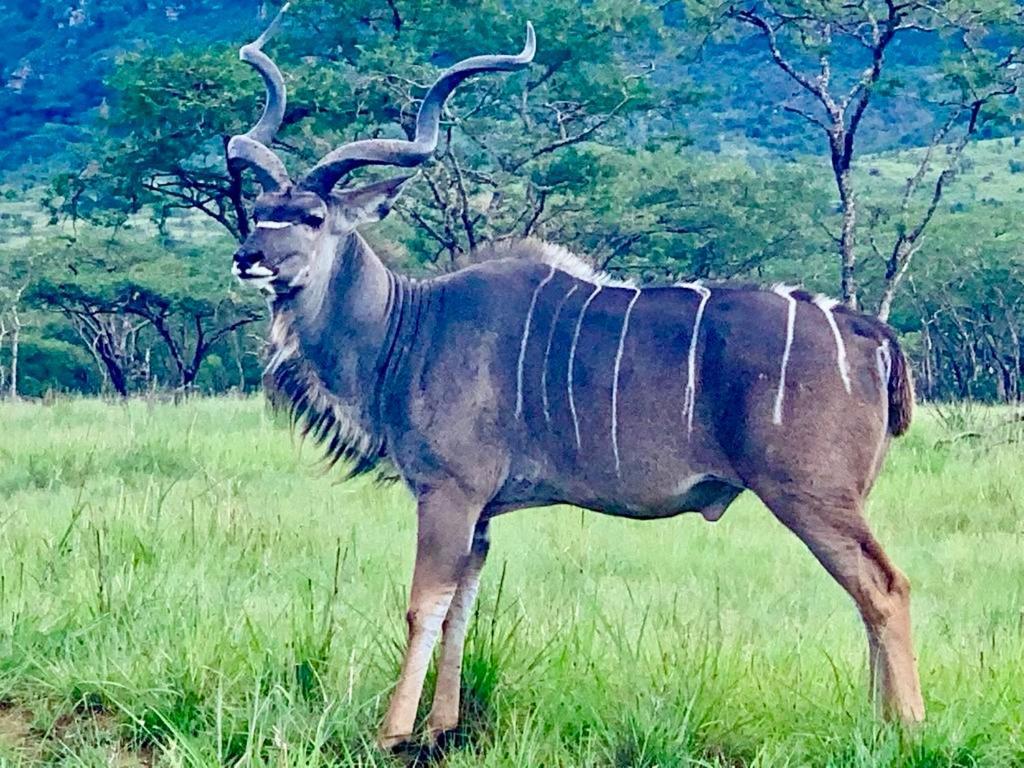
179, 585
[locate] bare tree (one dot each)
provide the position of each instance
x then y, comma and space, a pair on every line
189, 330
4, 330
16, 326
107, 331
11, 325
836, 104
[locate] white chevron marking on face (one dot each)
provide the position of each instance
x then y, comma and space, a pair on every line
690, 398
615, 380
526, 338
274, 224
547, 352
572, 360
786, 292
826, 304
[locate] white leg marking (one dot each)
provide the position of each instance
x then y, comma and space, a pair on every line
826, 304
615, 379
461, 609
526, 338
428, 626
690, 399
786, 292
547, 353
572, 360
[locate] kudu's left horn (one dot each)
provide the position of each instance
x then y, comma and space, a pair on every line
322, 178
252, 148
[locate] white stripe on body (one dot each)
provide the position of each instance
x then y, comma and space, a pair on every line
615, 379
547, 352
883, 363
526, 338
572, 361
826, 304
274, 224
690, 398
786, 292
883, 359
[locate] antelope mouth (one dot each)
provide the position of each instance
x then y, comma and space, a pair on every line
253, 272
256, 274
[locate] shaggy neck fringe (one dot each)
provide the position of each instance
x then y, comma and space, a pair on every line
349, 425
296, 387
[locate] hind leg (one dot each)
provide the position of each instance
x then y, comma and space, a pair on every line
839, 536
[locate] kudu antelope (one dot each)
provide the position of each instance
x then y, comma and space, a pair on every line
529, 379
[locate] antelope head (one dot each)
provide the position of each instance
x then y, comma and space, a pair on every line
299, 225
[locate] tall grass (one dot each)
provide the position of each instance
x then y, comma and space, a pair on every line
182, 586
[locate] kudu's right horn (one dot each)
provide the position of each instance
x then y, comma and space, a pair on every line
252, 148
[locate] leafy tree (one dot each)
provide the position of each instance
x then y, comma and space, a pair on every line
360, 73
125, 302
965, 305
663, 214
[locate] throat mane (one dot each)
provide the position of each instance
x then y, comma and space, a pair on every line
294, 385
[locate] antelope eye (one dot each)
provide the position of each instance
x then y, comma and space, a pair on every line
312, 220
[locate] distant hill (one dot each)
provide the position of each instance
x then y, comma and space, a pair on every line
57, 53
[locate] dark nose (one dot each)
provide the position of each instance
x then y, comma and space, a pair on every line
245, 258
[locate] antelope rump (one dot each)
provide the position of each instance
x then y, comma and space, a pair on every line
529, 379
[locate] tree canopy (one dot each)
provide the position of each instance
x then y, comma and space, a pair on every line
854, 147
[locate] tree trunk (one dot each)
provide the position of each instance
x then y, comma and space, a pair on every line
840, 149
15, 352
188, 379
110, 340
895, 270
927, 361
236, 344
1011, 324
115, 374
3, 371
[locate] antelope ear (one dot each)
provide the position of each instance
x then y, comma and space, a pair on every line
365, 205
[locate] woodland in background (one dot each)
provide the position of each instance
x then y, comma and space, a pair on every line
866, 149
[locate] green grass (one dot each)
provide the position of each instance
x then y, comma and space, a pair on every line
182, 586
992, 171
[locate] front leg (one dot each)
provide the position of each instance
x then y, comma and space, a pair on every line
445, 528
444, 712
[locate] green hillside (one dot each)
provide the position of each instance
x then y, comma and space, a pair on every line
59, 57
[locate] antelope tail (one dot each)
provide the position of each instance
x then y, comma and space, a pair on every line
901, 392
